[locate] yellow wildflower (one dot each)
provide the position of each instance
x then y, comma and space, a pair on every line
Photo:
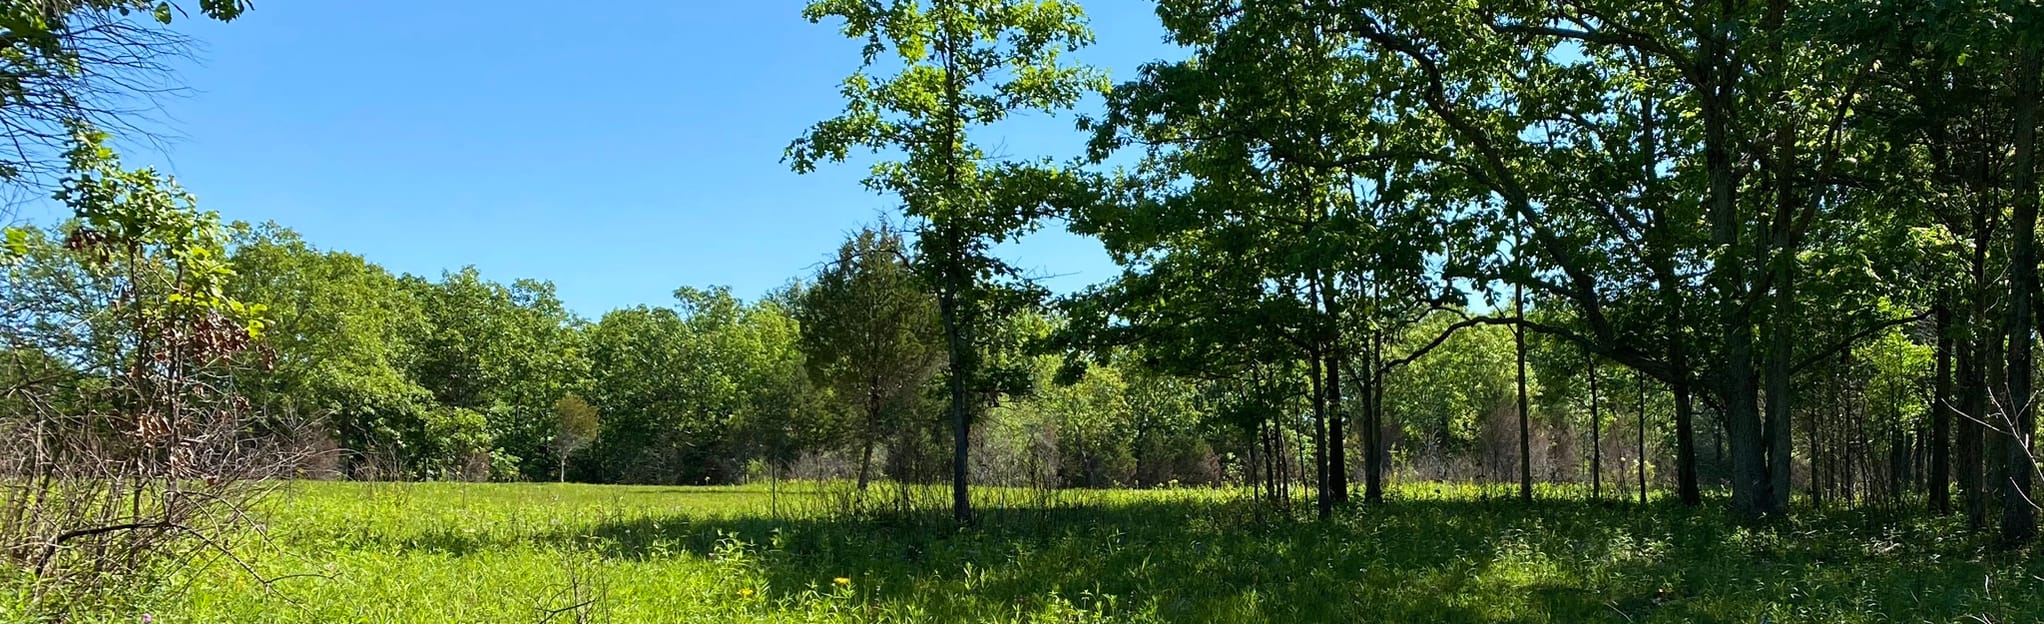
745, 593
841, 581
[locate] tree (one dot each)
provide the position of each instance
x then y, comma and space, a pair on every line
71, 63
779, 411
575, 425
868, 330
341, 339
131, 447
966, 64
2019, 511
507, 352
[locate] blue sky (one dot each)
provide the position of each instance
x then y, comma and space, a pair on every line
619, 153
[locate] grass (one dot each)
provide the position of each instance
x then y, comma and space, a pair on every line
438, 552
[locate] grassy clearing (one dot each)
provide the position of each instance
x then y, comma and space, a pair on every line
517, 552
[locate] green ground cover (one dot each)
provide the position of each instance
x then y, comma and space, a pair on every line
443, 552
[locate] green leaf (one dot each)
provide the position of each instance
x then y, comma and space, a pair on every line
17, 242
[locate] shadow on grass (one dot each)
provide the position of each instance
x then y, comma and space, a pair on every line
1414, 560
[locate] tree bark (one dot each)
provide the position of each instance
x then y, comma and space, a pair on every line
1596, 439
2019, 511
1322, 501
961, 496
1736, 372
1373, 416
1780, 392
1641, 459
1687, 489
865, 463
1525, 418
1337, 436
1973, 375
1940, 474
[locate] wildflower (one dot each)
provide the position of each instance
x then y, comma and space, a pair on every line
841, 581
146, 618
745, 593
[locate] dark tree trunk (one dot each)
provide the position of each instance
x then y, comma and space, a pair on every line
1898, 453
1782, 245
1323, 502
1851, 428
1741, 410
1373, 416
1940, 473
1337, 434
1525, 418
1780, 392
1973, 379
1596, 438
961, 496
1686, 487
2019, 511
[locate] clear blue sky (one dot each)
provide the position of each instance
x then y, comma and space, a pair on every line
619, 153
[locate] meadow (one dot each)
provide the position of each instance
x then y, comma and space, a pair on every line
448, 552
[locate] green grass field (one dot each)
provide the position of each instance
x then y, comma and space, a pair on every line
441, 552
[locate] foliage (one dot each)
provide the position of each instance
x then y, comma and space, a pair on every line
1444, 398
131, 450
508, 352
965, 64
869, 334
576, 424
342, 342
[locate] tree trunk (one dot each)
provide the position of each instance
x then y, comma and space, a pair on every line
1337, 436
1780, 392
2019, 511
1641, 459
1373, 417
1596, 439
1973, 378
1525, 418
1717, 95
1686, 487
865, 463
1940, 473
1782, 244
954, 280
1672, 289
961, 496
1898, 452
1323, 502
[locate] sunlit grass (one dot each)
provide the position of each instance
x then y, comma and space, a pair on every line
1438, 553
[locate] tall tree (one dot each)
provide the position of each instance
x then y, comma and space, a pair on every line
869, 329
2019, 510
964, 64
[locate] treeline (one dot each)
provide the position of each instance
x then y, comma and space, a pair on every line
461, 377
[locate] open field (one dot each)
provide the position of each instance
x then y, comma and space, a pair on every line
442, 552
